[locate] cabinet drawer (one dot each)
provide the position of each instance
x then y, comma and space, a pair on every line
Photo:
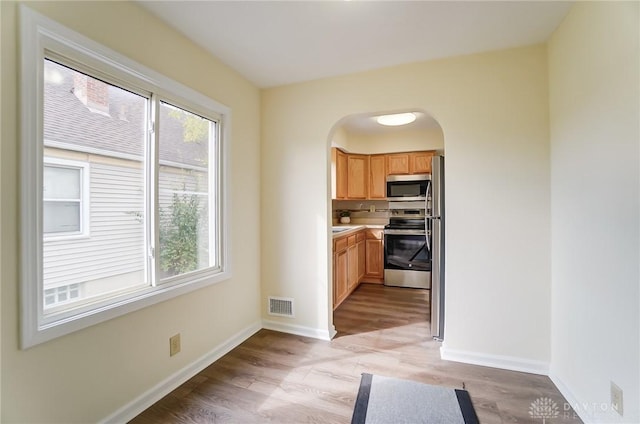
352, 240
374, 234
339, 245
360, 236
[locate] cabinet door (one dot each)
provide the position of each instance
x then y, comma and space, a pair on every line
374, 262
398, 164
341, 175
377, 177
421, 162
362, 260
340, 277
357, 177
352, 267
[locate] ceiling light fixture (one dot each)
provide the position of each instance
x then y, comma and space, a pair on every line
396, 119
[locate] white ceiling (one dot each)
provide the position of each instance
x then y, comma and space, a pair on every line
275, 43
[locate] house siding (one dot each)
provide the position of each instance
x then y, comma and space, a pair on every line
115, 245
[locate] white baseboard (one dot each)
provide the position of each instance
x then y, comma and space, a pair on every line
589, 412
332, 332
298, 330
495, 361
585, 415
151, 396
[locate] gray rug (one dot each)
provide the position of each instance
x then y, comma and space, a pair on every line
384, 400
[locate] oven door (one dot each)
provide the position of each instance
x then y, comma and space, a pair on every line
407, 259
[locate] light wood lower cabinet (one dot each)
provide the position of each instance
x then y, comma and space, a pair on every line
356, 259
345, 268
374, 261
340, 277
352, 255
362, 258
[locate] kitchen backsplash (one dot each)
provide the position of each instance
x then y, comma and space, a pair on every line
363, 212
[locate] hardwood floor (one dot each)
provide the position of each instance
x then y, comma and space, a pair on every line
281, 378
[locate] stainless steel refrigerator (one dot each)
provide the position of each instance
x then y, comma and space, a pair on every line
435, 218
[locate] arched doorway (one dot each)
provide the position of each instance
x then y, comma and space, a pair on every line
364, 147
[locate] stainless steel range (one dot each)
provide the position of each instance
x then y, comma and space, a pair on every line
407, 253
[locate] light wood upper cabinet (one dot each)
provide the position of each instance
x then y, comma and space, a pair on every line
377, 177
398, 164
341, 175
420, 162
357, 176
409, 163
361, 177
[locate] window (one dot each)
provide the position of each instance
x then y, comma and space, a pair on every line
186, 242
63, 294
123, 183
64, 198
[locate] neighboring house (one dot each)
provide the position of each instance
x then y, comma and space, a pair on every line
94, 171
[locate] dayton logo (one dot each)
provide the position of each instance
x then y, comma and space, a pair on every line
544, 408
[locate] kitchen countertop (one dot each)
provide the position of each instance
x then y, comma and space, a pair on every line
354, 228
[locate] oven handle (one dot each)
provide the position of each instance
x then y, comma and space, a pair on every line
405, 232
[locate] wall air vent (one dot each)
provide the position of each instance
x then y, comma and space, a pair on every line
281, 306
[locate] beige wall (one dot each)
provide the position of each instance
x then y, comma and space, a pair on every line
400, 141
493, 109
87, 375
340, 138
594, 121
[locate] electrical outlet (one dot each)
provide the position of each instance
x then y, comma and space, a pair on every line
372, 208
174, 344
616, 398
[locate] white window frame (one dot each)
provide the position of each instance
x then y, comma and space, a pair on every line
42, 37
85, 198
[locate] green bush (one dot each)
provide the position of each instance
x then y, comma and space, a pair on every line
179, 235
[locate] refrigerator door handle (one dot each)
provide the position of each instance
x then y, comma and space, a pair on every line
428, 237
436, 187
436, 283
426, 220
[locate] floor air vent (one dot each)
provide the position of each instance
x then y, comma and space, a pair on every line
281, 306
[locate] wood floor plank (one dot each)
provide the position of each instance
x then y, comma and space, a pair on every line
284, 378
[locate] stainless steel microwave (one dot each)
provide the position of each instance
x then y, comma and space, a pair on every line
408, 187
